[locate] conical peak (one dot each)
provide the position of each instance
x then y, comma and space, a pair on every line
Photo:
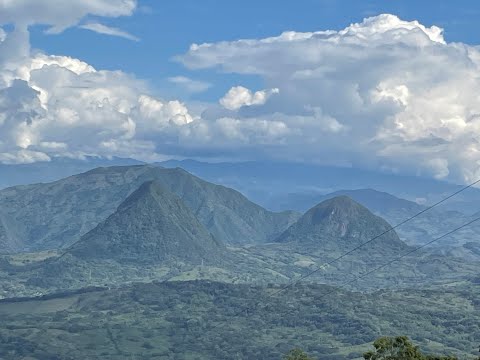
149, 189
337, 207
152, 225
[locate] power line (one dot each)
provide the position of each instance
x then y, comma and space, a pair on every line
361, 276
294, 282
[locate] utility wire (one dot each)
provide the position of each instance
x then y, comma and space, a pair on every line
294, 282
361, 276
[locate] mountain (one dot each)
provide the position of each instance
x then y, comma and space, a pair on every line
10, 234
376, 201
57, 214
339, 224
151, 225
57, 168
421, 229
266, 183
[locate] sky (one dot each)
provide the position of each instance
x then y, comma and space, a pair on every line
387, 85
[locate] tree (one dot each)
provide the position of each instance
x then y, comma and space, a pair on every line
297, 354
399, 348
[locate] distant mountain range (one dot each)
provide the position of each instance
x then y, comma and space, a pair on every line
55, 215
142, 223
57, 168
280, 186
83, 248
274, 185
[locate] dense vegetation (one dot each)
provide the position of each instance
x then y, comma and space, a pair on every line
57, 214
143, 224
399, 348
201, 320
386, 348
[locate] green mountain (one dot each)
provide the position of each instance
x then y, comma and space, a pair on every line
10, 234
57, 214
266, 183
339, 224
150, 226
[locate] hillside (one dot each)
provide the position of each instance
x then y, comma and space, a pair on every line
10, 234
55, 169
57, 214
267, 183
152, 225
339, 224
200, 320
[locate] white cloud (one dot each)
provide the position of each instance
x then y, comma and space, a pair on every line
55, 105
402, 96
240, 96
383, 93
107, 30
60, 14
23, 157
190, 85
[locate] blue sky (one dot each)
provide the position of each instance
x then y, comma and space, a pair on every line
168, 27
386, 85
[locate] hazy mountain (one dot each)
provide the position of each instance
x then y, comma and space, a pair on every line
421, 229
339, 224
376, 201
57, 214
10, 234
151, 225
267, 183
57, 168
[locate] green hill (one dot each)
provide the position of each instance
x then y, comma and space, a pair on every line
10, 234
57, 214
152, 225
338, 225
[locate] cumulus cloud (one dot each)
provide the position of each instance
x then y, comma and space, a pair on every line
61, 106
239, 96
190, 85
383, 93
107, 30
60, 14
407, 99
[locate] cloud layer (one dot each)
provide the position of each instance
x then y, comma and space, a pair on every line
384, 93
60, 14
394, 93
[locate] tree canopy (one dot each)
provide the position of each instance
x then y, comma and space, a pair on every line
297, 354
399, 348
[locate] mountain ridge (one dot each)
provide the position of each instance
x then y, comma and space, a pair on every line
340, 223
57, 214
151, 225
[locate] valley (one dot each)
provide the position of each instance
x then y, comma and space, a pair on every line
110, 238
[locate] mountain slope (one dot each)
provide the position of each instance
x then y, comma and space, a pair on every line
339, 224
151, 225
57, 168
10, 234
267, 182
378, 202
57, 214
